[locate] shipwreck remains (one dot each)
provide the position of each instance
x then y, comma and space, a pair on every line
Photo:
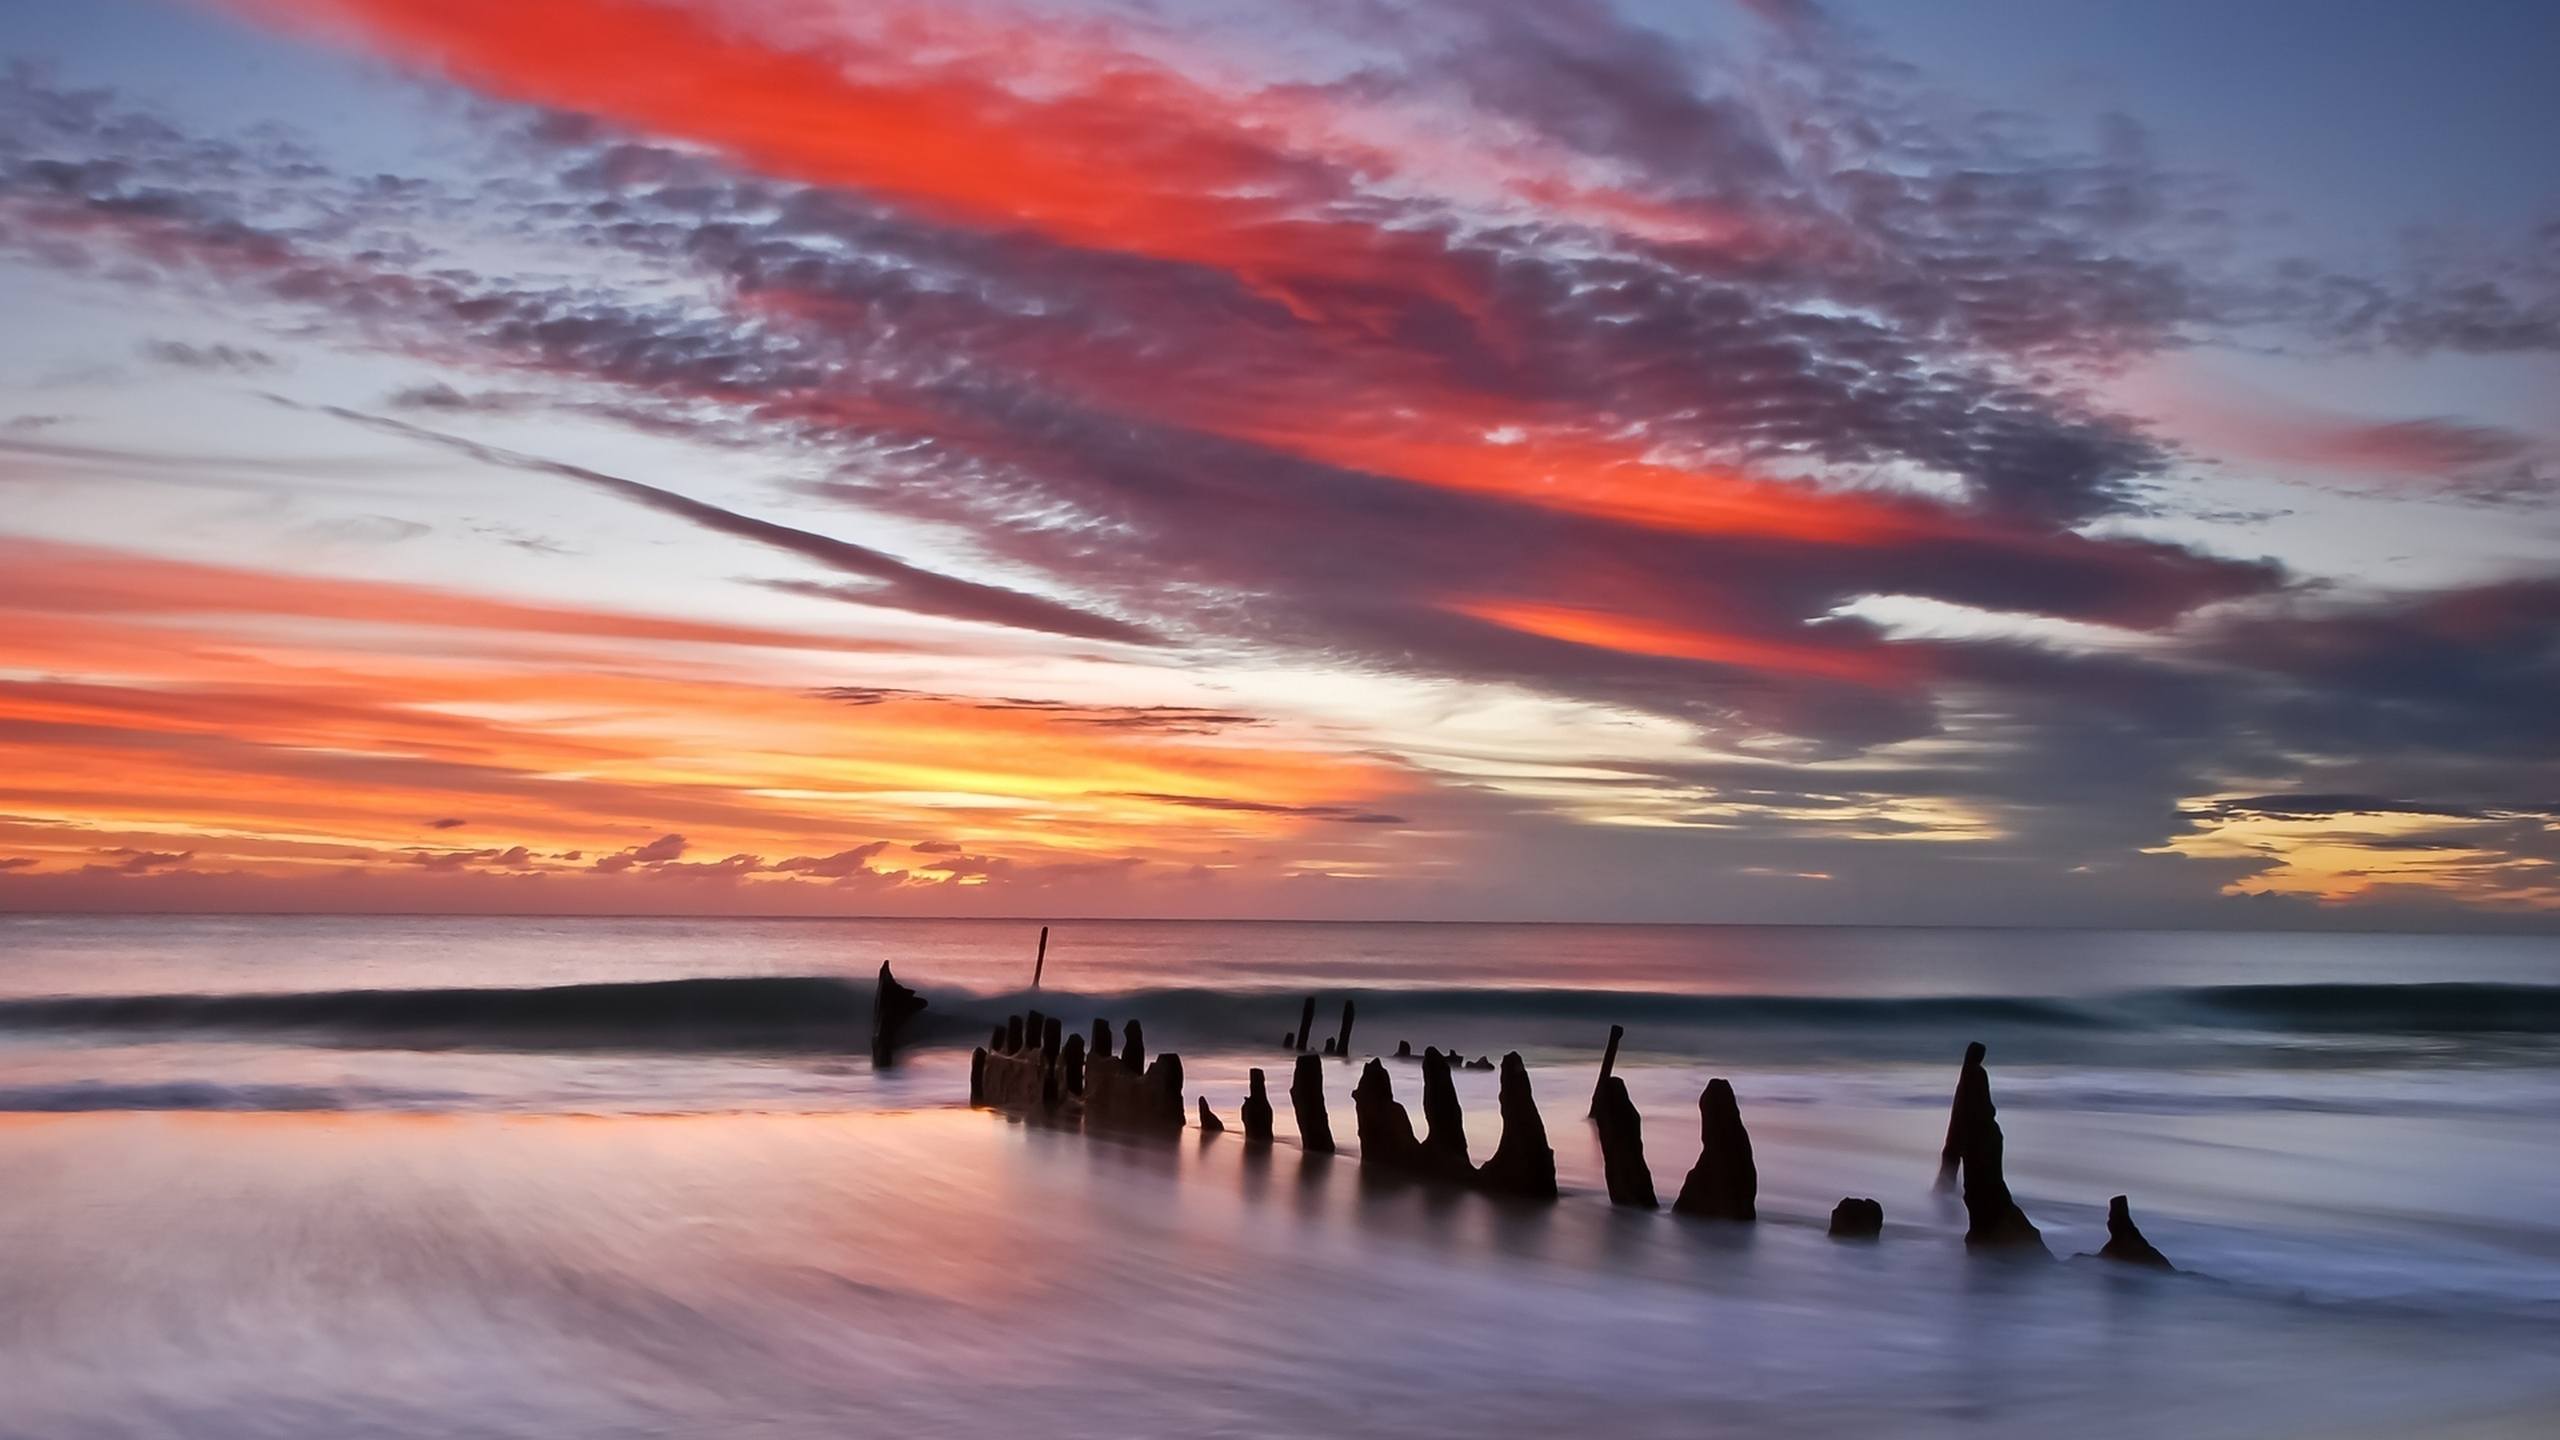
1724, 1184
1855, 1218
1444, 1140
1608, 1067
1622, 1147
1951, 1154
1256, 1110
1306, 1096
1032, 1067
892, 1006
1993, 1219
1523, 1164
2125, 1244
1386, 1130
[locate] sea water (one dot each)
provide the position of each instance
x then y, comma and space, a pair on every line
390, 1177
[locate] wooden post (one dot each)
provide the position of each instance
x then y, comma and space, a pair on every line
1041, 960
1342, 1041
1608, 1062
1306, 1094
1306, 1024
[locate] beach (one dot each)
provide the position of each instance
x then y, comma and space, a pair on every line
358, 1216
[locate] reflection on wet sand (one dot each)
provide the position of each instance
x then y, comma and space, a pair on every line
948, 1272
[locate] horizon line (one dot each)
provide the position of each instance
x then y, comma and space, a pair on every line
2549, 931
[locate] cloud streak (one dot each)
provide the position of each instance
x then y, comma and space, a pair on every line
896, 584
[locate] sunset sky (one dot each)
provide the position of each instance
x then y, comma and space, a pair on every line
1503, 459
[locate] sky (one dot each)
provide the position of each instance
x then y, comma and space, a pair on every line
1650, 460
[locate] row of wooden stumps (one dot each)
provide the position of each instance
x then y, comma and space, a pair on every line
1339, 1043
1026, 1066
1029, 1068
1724, 1183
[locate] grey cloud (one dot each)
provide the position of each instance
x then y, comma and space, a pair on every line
1343, 813
894, 583
842, 865
230, 359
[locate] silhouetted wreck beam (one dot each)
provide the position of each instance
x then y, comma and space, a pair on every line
892, 1006
1608, 1067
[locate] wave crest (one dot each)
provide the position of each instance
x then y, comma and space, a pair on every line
832, 1014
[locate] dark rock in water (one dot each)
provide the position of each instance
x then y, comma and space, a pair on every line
1523, 1164
1622, 1146
1992, 1214
977, 1077
1133, 1048
1479, 1063
892, 1006
1071, 1065
2125, 1243
1951, 1154
1856, 1219
1386, 1130
1210, 1124
1444, 1148
1256, 1110
1404, 1049
1306, 1096
1724, 1184
1013, 1034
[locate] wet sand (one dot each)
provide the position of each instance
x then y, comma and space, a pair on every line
941, 1271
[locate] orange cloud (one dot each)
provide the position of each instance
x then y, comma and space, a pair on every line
1126, 156
168, 706
1003, 121
1635, 635
52, 577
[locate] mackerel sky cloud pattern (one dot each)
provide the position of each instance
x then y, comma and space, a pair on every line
1598, 460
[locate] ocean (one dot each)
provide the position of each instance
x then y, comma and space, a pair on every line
354, 1177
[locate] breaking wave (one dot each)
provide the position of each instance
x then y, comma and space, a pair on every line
832, 1014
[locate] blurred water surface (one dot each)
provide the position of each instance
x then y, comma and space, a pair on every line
390, 1194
